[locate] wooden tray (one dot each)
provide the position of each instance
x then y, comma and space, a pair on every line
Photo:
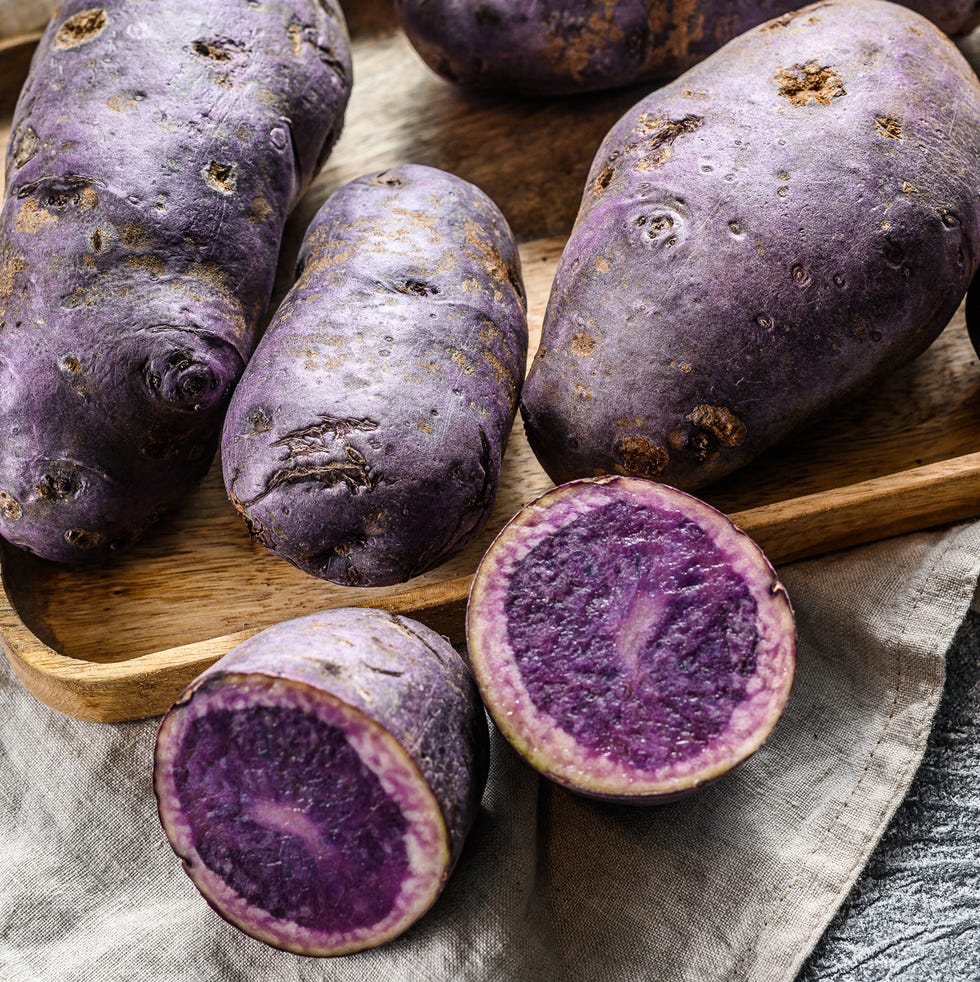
120, 642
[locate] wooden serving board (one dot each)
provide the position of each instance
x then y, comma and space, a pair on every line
120, 642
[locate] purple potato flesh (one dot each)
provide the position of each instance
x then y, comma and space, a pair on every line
583, 45
156, 151
790, 221
319, 780
629, 641
365, 439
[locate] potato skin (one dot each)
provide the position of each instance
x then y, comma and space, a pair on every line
583, 45
789, 221
155, 153
973, 313
364, 441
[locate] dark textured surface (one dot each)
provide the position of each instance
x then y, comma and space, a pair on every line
914, 915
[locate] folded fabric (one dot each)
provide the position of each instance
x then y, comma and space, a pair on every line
735, 883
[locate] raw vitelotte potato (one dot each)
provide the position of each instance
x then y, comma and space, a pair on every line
364, 441
319, 780
581, 45
156, 151
629, 641
790, 220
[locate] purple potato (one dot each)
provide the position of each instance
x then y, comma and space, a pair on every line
758, 242
973, 312
629, 641
156, 151
364, 441
319, 780
583, 45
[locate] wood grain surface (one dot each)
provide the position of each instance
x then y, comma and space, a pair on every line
119, 642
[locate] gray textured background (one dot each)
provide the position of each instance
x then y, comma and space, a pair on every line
915, 912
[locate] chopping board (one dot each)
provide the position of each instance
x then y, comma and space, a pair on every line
120, 641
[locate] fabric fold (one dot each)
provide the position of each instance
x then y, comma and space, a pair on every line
734, 883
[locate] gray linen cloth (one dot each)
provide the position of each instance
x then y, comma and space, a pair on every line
736, 883
914, 914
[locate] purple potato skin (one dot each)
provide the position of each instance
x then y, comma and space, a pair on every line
973, 313
394, 671
156, 151
365, 439
788, 222
584, 45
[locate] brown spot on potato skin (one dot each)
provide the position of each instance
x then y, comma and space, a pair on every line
133, 236
84, 26
657, 137
84, 539
888, 127
295, 33
89, 198
204, 49
222, 178
640, 457
603, 180
10, 266
10, 507
151, 263
124, 100
31, 217
27, 147
259, 212
684, 20
720, 422
458, 358
811, 82
571, 52
582, 344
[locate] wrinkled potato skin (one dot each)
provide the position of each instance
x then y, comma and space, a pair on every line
155, 153
789, 221
582, 45
364, 441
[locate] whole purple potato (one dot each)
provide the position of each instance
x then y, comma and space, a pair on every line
787, 222
580, 45
156, 151
364, 441
629, 641
319, 780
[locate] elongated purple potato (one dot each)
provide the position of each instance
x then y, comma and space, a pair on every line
629, 641
365, 439
582, 45
789, 221
156, 151
319, 780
